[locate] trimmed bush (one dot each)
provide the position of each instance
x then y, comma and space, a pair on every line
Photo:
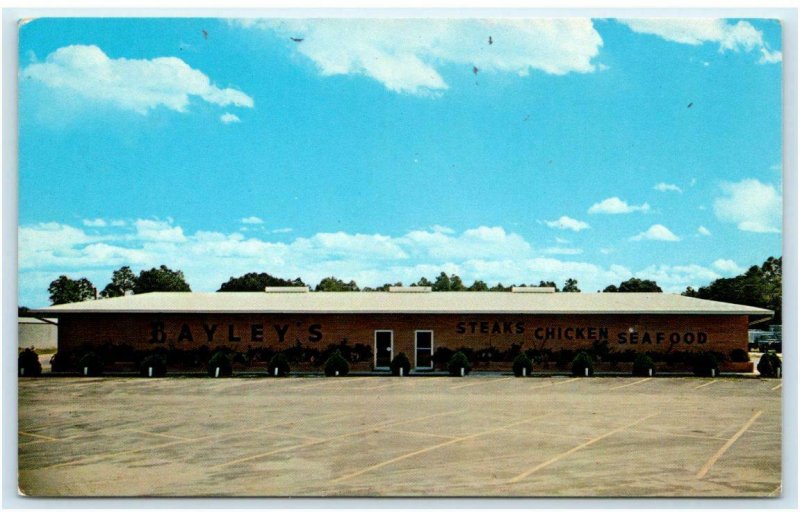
769, 364
522, 362
704, 363
90, 365
400, 362
279, 362
642, 365
336, 363
155, 361
581, 363
739, 355
220, 360
28, 362
458, 362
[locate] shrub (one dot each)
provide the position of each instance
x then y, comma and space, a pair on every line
458, 362
400, 362
279, 362
642, 365
441, 356
29, 365
581, 363
522, 362
563, 357
90, 365
62, 361
220, 360
704, 363
768, 365
739, 355
336, 363
156, 361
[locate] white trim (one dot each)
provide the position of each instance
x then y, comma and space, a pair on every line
415, 349
375, 348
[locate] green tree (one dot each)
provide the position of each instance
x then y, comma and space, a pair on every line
479, 285
423, 282
160, 279
333, 284
257, 282
121, 280
65, 290
757, 287
571, 286
442, 282
456, 284
549, 283
634, 285
500, 288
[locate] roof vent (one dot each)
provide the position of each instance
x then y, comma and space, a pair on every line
409, 289
521, 289
287, 289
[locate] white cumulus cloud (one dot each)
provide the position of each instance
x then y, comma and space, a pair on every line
614, 205
727, 266
407, 55
155, 230
656, 232
664, 187
97, 222
227, 118
138, 85
751, 204
208, 258
703, 231
696, 31
567, 223
252, 220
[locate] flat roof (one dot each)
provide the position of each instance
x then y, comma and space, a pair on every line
404, 303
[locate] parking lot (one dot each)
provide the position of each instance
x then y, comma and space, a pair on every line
414, 436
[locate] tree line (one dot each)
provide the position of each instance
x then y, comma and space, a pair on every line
759, 286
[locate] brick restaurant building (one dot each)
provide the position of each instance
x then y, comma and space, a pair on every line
412, 320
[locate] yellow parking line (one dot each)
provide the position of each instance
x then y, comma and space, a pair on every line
777, 387
631, 384
285, 434
104, 456
329, 381
342, 436
47, 438
710, 462
430, 448
706, 384
576, 448
157, 434
421, 434
556, 383
481, 382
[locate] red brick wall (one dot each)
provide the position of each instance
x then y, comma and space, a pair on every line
720, 333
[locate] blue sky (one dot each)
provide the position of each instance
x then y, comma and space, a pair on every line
384, 150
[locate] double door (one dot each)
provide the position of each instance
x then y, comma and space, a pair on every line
423, 349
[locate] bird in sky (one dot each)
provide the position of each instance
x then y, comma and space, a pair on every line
205, 34
690, 105
475, 70
490, 40
296, 39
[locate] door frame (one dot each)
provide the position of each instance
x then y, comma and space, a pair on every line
375, 348
415, 349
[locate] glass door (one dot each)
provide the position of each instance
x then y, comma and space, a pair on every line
383, 348
423, 349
